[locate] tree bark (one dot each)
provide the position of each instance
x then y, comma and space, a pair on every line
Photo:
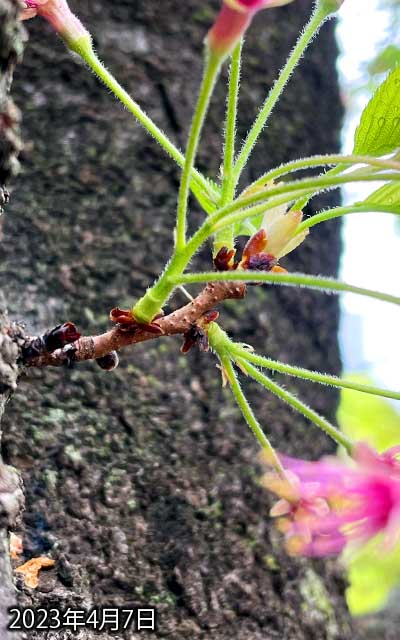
11, 497
142, 483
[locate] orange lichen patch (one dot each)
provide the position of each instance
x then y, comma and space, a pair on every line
16, 547
30, 570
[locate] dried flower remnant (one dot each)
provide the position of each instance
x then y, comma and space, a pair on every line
197, 334
30, 570
232, 22
328, 505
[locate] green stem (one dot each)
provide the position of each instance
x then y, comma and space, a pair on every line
240, 209
225, 237
313, 376
212, 67
287, 279
303, 201
316, 20
198, 180
217, 339
336, 212
297, 404
319, 161
153, 300
147, 307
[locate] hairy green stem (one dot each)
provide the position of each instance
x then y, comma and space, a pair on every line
336, 212
212, 67
199, 184
303, 201
240, 209
329, 285
317, 18
312, 376
225, 237
297, 404
218, 339
153, 300
319, 161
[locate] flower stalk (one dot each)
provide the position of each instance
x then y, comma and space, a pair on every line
225, 237
317, 19
339, 437
212, 68
219, 342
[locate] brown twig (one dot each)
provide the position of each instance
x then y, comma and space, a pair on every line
178, 322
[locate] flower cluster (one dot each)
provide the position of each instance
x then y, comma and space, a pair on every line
326, 505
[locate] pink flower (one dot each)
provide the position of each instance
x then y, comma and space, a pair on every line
326, 505
232, 22
60, 16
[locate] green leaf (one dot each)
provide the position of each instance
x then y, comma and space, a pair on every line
379, 130
373, 572
368, 417
389, 194
385, 61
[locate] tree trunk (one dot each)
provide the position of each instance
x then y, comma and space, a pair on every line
142, 483
11, 497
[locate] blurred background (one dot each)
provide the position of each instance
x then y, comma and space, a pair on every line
369, 40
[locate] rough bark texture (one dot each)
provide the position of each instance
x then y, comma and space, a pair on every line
142, 484
11, 497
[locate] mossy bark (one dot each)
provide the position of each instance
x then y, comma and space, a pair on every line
11, 497
142, 484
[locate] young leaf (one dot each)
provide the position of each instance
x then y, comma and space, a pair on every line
385, 61
389, 194
379, 130
249, 227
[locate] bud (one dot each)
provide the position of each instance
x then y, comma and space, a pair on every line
60, 16
232, 22
60, 336
108, 362
281, 230
330, 6
223, 261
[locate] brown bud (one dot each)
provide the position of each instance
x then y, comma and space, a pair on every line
109, 362
223, 259
60, 336
256, 244
211, 316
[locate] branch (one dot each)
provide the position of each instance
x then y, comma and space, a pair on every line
178, 322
